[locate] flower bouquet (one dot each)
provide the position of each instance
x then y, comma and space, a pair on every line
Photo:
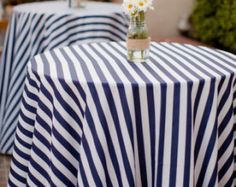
138, 40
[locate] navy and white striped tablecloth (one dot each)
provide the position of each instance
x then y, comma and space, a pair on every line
91, 118
39, 27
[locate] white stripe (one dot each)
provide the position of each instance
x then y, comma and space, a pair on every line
195, 61
226, 58
168, 135
157, 101
209, 61
182, 134
181, 59
87, 168
15, 181
120, 112
96, 160
208, 131
35, 172
105, 106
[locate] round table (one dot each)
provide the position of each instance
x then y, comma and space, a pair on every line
38, 27
91, 118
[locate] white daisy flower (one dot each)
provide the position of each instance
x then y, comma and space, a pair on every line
132, 7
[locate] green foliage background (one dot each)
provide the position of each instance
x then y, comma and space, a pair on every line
214, 22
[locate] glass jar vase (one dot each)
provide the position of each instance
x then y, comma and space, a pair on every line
138, 40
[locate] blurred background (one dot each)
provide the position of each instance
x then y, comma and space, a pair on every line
211, 22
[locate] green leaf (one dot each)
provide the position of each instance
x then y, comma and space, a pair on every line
214, 22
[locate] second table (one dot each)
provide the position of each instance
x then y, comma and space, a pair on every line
38, 27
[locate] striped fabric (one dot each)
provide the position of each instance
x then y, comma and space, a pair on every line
91, 118
32, 33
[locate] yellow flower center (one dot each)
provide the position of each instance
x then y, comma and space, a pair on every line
141, 3
130, 6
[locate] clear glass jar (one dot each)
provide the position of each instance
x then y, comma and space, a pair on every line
138, 39
74, 3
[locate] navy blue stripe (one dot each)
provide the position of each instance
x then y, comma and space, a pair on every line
194, 56
9, 148
65, 85
21, 38
112, 108
23, 23
122, 94
27, 106
183, 64
226, 166
17, 176
67, 108
207, 59
77, 33
164, 70
207, 157
139, 133
93, 168
10, 183
171, 65
48, 95
234, 95
14, 117
47, 111
70, 131
40, 31
74, 75
229, 183
47, 28
40, 169
226, 95
152, 127
205, 118
60, 157
60, 175
9, 109
197, 99
5, 63
225, 121
5, 129
188, 140
83, 176
161, 135
175, 134
219, 58
40, 136
55, 22
119, 63
222, 80
77, 19
9, 127
100, 151
214, 175
59, 97
17, 163
23, 142
81, 40
36, 181
225, 145
225, 53
102, 120
22, 129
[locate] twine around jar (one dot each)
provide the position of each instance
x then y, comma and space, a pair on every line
140, 44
